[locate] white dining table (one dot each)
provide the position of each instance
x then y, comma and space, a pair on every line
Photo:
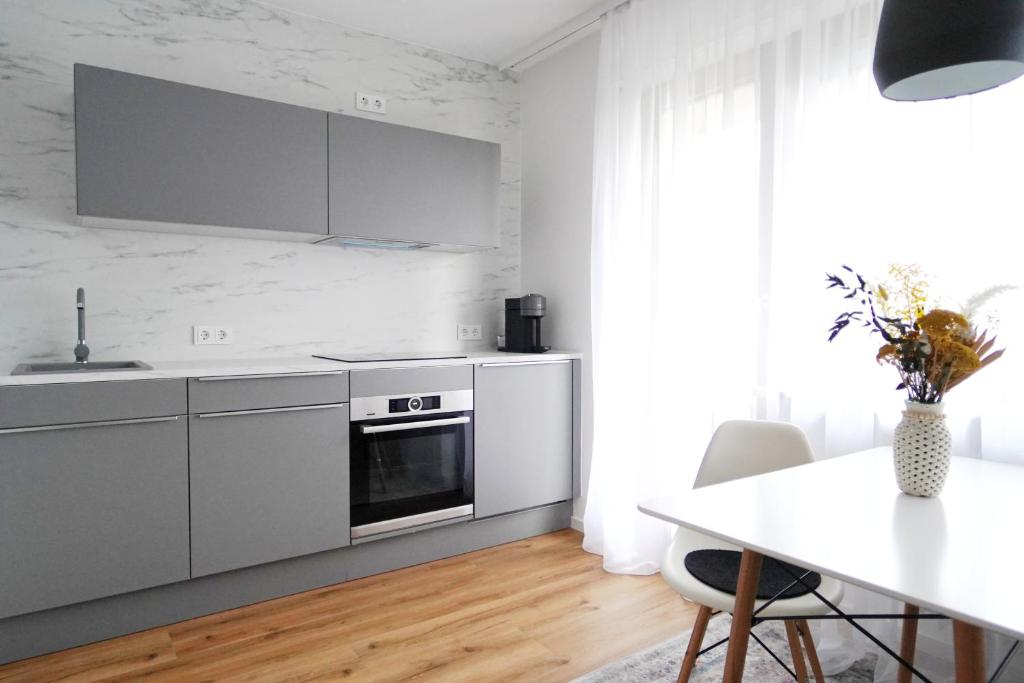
960, 554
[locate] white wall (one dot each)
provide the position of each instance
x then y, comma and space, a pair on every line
558, 96
145, 290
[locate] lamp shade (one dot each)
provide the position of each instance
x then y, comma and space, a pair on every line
932, 49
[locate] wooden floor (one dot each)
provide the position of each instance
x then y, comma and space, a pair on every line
536, 610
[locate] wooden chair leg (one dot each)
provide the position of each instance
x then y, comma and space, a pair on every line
908, 642
700, 626
969, 652
742, 616
799, 664
812, 651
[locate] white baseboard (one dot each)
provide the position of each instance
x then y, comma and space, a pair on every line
576, 523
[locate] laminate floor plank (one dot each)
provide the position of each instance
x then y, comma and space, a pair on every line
537, 610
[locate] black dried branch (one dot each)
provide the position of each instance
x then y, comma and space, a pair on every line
834, 281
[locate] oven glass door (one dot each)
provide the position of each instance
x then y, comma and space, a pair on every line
406, 467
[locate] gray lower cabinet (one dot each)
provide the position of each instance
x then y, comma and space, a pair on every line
523, 435
90, 510
267, 485
398, 183
153, 150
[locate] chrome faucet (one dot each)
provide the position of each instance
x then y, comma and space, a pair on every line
81, 350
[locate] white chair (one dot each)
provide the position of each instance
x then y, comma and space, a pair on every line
743, 448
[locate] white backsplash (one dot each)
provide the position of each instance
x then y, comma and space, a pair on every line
146, 290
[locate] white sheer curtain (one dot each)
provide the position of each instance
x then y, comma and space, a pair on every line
741, 150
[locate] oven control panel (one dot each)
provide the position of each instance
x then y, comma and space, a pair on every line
414, 404
378, 407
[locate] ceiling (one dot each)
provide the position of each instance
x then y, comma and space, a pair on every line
492, 31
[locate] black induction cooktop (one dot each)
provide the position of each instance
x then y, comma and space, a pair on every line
384, 357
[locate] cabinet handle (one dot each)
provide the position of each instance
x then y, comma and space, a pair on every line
225, 378
261, 411
422, 424
508, 364
83, 425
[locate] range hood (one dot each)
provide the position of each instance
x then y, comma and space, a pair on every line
373, 243
394, 245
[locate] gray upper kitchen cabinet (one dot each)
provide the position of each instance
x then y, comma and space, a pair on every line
91, 509
523, 435
404, 184
153, 150
267, 485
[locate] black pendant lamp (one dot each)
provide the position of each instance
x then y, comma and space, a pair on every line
932, 49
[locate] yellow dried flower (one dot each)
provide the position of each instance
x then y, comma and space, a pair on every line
940, 323
963, 359
887, 353
906, 292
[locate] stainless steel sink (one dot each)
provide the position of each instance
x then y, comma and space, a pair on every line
82, 363
92, 366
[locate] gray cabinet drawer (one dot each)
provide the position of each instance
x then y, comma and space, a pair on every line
267, 485
411, 380
523, 436
92, 510
253, 392
50, 404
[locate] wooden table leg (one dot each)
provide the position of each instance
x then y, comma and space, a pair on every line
742, 616
908, 642
969, 650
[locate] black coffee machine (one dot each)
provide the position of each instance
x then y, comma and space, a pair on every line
522, 324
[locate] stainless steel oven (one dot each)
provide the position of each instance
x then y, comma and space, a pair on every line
411, 460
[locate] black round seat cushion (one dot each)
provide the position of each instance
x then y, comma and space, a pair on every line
720, 569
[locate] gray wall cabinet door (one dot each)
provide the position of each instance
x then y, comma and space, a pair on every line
399, 183
267, 485
154, 150
523, 436
92, 510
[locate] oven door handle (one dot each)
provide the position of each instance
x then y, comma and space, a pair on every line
402, 426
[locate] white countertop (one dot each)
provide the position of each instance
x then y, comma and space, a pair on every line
272, 366
959, 554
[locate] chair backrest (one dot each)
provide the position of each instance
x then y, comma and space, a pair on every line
743, 448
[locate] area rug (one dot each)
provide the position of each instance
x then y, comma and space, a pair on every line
660, 664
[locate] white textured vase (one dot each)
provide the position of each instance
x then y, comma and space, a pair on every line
922, 448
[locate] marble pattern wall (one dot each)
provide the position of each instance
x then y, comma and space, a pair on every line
146, 290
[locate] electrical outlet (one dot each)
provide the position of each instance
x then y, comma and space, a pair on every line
470, 332
202, 334
371, 102
213, 334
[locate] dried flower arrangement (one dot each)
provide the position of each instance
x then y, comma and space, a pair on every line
933, 350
